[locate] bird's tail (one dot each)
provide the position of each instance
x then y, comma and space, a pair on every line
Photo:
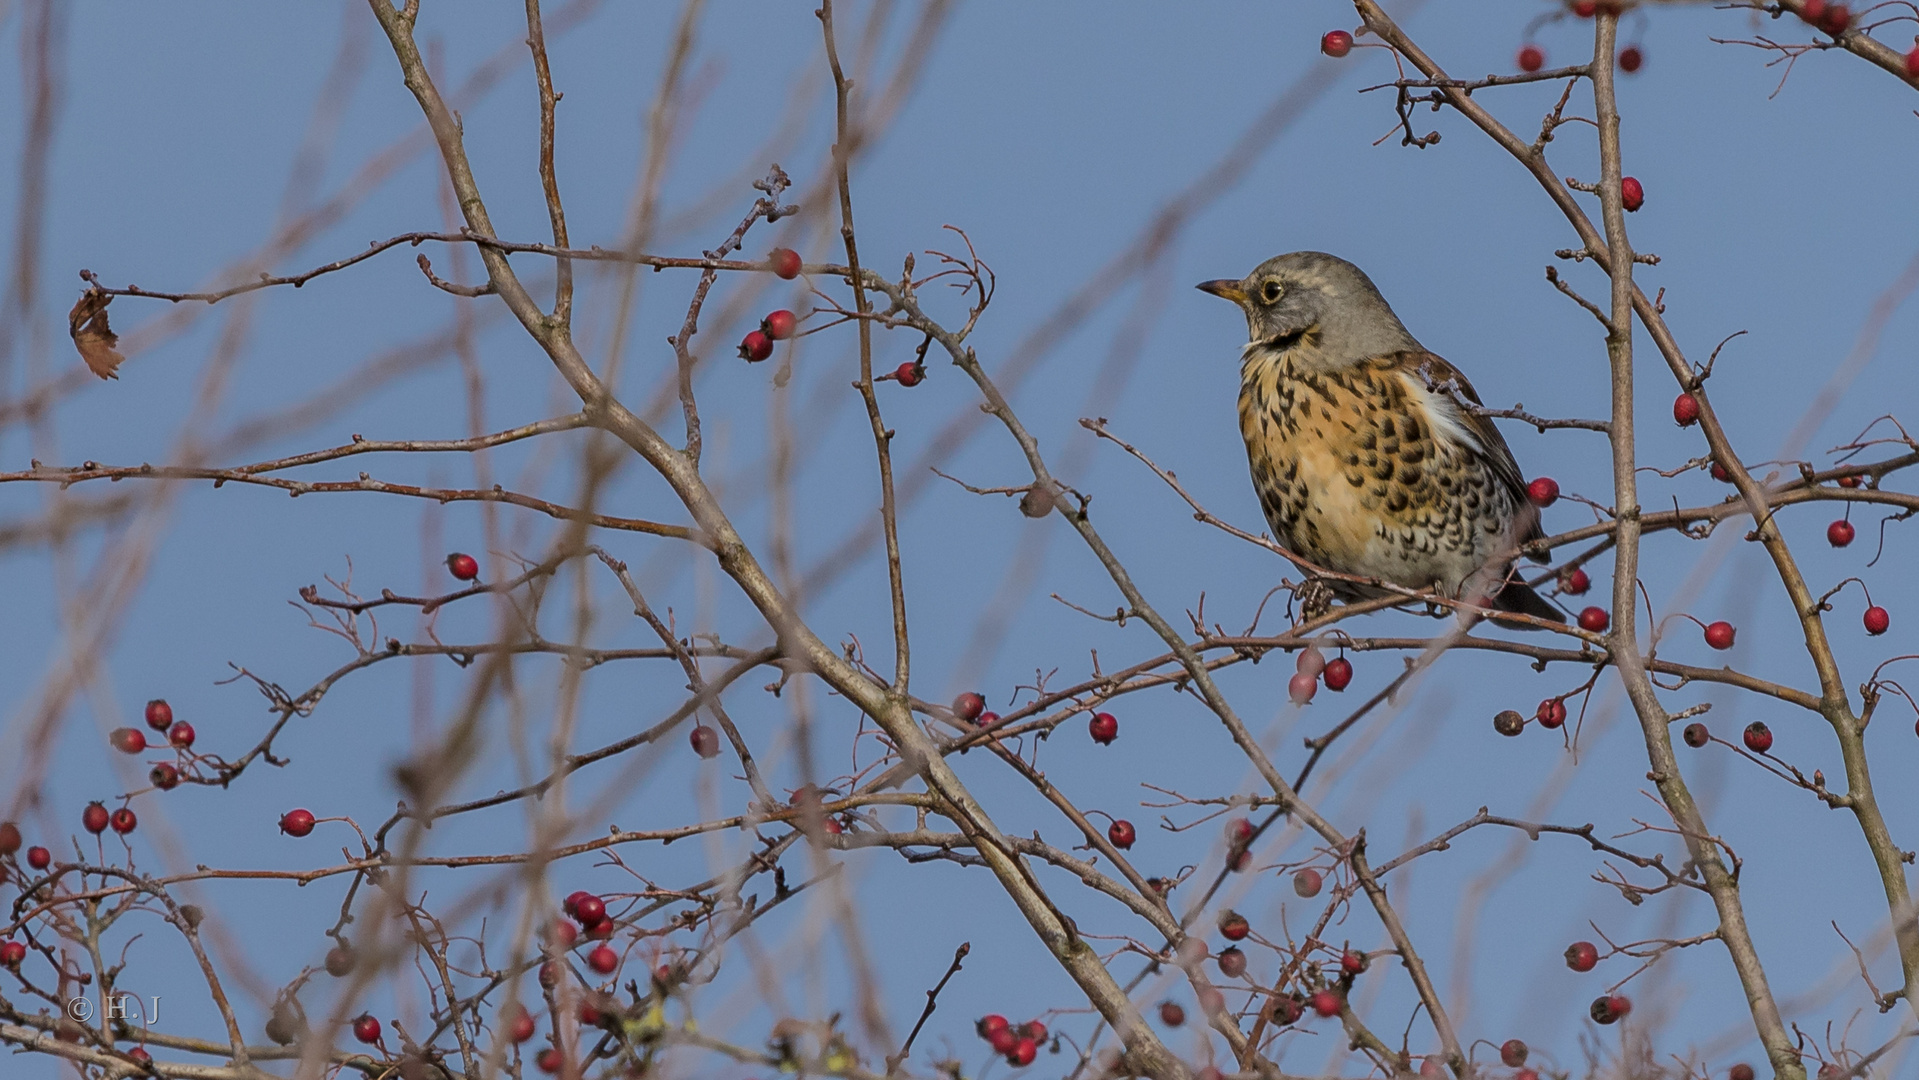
1520, 599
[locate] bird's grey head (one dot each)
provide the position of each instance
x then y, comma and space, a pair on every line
1319, 308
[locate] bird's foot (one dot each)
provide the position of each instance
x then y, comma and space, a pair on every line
1315, 597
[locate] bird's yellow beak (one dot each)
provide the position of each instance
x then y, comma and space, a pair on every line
1228, 289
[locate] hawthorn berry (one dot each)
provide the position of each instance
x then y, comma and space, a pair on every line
565, 933
94, 818
1850, 481
1508, 722
340, 961
706, 741
1336, 43
1301, 688
1104, 728
549, 1060
1232, 962
1877, 620
519, 1024
1526, 1074
1338, 674
1233, 926
785, 262
1758, 737
1719, 635
159, 714
1551, 714
909, 374
589, 911
366, 1028
463, 566
1024, 1052
1431, 1068
1630, 58
1912, 63
1837, 18
123, 821
1543, 491
1240, 831
991, 1022
12, 952
1585, 8
296, 823
1576, 583
1609, 1010
1513, 1053
1840, 533
1696, 735
1531, 57
9, 838
164, 776
969, 706
1352, 963
832, 827
1307, 883
39, 858
1685, 410
1171, 1014
1813, 11
1325, 1003
139, 1056
1632, 195
181, 735
1122, 834
1582, 956
779, 325
1283, 1010
572, 901
1720, 473
1002, 1040
551, 973
987, 719
1594, 620
755, 347
127, 740
603, 959
1032, 1029
1310, 661
1741, 1071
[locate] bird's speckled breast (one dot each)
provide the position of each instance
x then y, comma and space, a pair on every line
1354, 475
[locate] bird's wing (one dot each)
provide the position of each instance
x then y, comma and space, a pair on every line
1430, 377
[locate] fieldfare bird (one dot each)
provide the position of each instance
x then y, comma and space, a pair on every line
1365, 462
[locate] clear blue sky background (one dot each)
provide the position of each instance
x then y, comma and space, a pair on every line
1050, 133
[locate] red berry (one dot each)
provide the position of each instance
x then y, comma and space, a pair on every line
1594, 620
1685, 410
181, 735
1630, 58
39, 858
1758, 737
1849, 481
1233, 926
1032, 1029
1840, 533
340, 961
139, 1055
1513, 1053
296, 823
1171, 1014
519, 1024
463, 566
1632, 196
164, 776
1582, 956
95, 818
988, 1024
1310, 661
1813, 11
1741, 1071
1719, 635
1720, 473
987, 719
755, 347
1508, 722
779, 325
127, 740
1024, 1052
832, 827
1877, 620
549, 1060
909, 374
969, 706
1352, 963
1585, 8
1121, 834
1431, 1067
1543, 492
1002, 1039
1837, 19
1338, 674
1336, 43
1551, 714
551, 973
1301, 688
1696, 735
706, 741
1531, 58
603, 959
1577, 582
1608, 1010
12, 952
565, 933
1526, 1074
572, 901
785, 262
123, 821
589, 911
9, 838
159, 714
1307, 883
366, 1028
1104, 728
1912, 63
1325, 1003
1239, 831
1232, 962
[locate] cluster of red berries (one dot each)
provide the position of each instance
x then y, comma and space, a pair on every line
96, 820
777, 326
1019, 1044
1311, 668
1583, 956
590, 912
159, 716
1832, 18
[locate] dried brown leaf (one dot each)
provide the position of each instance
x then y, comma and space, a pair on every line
87, 322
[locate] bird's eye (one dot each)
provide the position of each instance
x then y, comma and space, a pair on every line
1270, 291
